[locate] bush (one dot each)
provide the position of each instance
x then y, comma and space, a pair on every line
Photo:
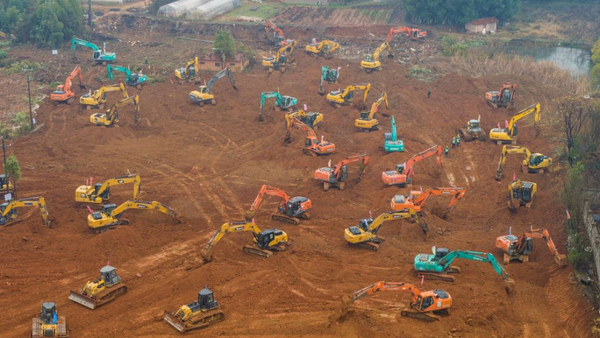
419, 72
22, 122
579, 257
451, 47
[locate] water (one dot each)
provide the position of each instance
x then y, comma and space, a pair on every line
576, 60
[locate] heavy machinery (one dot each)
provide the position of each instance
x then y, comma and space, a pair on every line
196, 315
290, 210
48, 323
331, 75
189, 72
509, 134
281, 59
412, 33
402, 176
98, 97
283, 102
324, 48
275, 35
132, 79
519, 248
311, 119
425, 305
8, 210
204, 93
337, 176
367, 121
504, 98
391, 143
533, 163
111, 116
110, 215
6, 185
100, 55
265, 242
416, 200
521, 194
371, 61
105, 289
473, 131
346, 96
63, 92
312, 145
365, 234
100, 192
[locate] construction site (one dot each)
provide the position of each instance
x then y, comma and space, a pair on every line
306, 172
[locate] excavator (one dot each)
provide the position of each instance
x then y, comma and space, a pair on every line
275, 35
311, 119
473, 131
416, 200
265, 242
324, 48
100, 56
290, 210
346, 96
110, 216
371, 61
8, 210
283, 102
132, 79
105, 289
48, 323
204, 93
504, 98
367, 121
403, 173
391, 143
98, 97
312, 145
100, 192
6, 185
63, 92
331, 75
509, 135
365, 234
196, 315
519, 248
337, 176
189, 72
111, 116
412, 33
281, 59
521, 194
533, 163
425, 305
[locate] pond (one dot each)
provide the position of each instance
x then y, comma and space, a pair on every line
576, 60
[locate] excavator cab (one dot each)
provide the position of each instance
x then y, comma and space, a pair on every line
474, 126
105, 195
265, 237
106, 209
441, 253
525, 193
400, 168
10, 216
294, 206
427, 300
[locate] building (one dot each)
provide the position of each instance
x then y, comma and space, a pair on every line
213, 62
482, 26
198, 9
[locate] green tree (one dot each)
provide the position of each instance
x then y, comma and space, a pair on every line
225, 44
13, 169
54, 21
459, 11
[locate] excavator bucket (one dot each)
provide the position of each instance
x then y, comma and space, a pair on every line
83, 300
561, 260
510, 287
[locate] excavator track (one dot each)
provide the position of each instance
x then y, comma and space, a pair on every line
256, 251
366, 245
304, 215
112, 226
427, 317
199, 321
285, 218
436, 276
100, 299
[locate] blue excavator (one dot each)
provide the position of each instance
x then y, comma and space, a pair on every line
391, 142
283, 102
100, 55
331, 75
132, 79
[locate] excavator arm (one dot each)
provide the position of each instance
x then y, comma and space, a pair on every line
152, 205
110, 116
363, 159
435, 150
457, 194
206, 253
384, 46
410, 214
225, 72
270, 191
560, 259
534, 108
375, 106
94, 195
8, 209
385, 286
510, 150
478, 257
79, 42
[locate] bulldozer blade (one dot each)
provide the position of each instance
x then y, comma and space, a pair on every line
83, 300
176, 323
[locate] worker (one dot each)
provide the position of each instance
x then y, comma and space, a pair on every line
428, 94
454, 142
458, 140
446, 150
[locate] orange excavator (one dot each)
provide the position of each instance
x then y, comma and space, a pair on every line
416, 199
412, 33
63, 92
403, 173
275, 34
504, 98
337, 176
290, 210
312, 145
425, 305
519, 248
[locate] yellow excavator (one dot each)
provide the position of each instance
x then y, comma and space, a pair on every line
196, 315
533, 163
189, 72
323, 48
100, 192
365, 234
281, 59
367, 121
111, 116
98, 97
310, 119
265, 242
110, 216
346, 96
371, 61
204, 93
8, 210
106, 288
509, 134
521, 194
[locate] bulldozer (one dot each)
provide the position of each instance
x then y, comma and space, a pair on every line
473, 131
63, 92
402, 176
519, 248
105, 289
346, 96
48, 323
324, 48
371, 62
97, 99
504, 98
311, 119
110, 216
204, 93
312, 145
367, 121
282, 58
282, 102
290, 210
100, 192
521, 194
329, 75
509, 134
190, 72
532, 163
111, 116
100, 55
8, 210
196, 315
337, 176
416, 200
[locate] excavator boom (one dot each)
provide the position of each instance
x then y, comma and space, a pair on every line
63, 92
337, 175
98, 97
110, 117
416, 199
101, 192
110, 216
100, 55
509, 134
403, 173
519, 248
346, 96
8, 212
367, 121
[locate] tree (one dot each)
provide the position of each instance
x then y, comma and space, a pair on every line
459, 11
13, 169
570, 117
225, 44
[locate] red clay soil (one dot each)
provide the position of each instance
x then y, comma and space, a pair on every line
208, 163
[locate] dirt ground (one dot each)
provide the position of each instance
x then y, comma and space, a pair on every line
209, 162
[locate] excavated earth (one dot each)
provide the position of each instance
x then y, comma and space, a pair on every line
209, 162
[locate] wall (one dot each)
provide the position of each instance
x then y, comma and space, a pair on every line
594, 237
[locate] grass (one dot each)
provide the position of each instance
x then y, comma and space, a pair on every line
265, 10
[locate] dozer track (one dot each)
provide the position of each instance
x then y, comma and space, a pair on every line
424, 316
199, 321
285, 218
100, 299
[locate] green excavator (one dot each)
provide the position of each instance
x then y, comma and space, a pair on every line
100, 55
282, 102
331, 75
391, 142
132, 79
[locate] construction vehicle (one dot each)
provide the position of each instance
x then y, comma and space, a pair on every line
504, 98
111, 116
204, 93
346, 96
6, 185
8, 210
110, 215
100, 192
324, 48
509, 134
283, 102
532, 163
371, 61
281, 59
473, 131
402, 176
48, 323
412, 33
519, 248
290, 210
100, 55
331, 75
265, 242
63, 92
365, 234
97, 99
275, 35
391, 143
105, 289
425, 305
312, 145
337, 176
132, 79
416, 199
196, 315
311, 119
189, 72
521, 194
367, 121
